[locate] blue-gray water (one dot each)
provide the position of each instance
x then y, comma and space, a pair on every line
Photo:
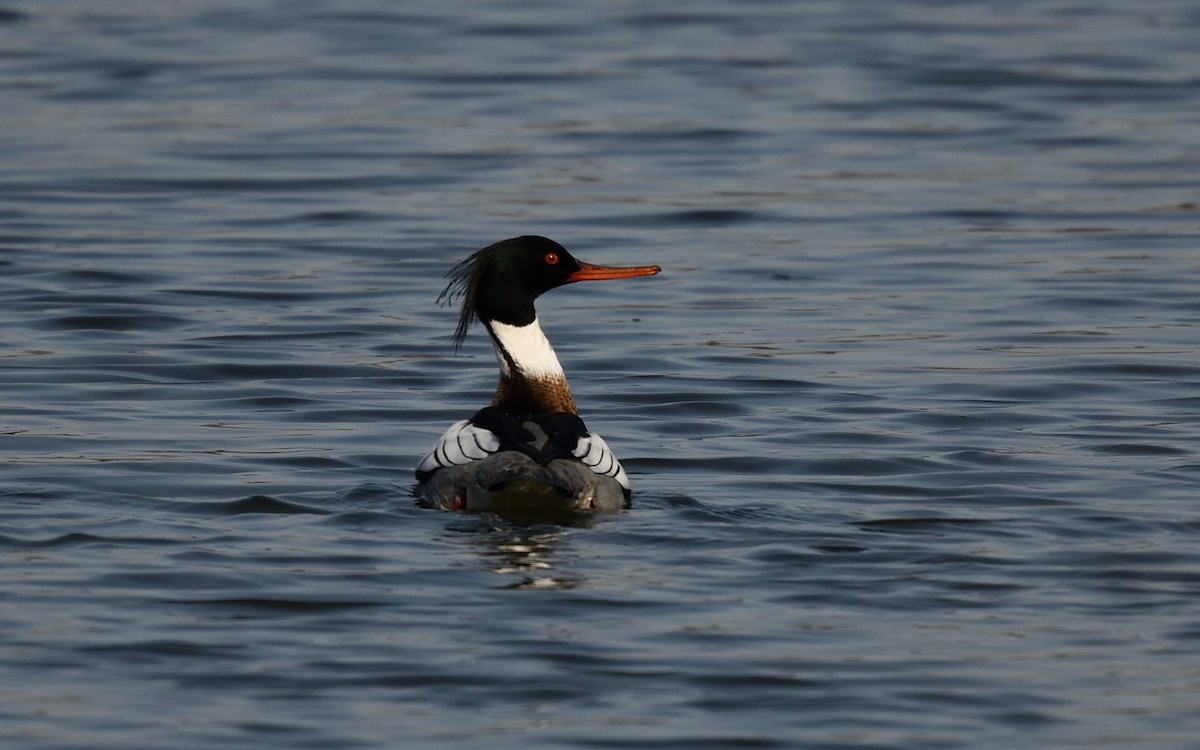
912, 414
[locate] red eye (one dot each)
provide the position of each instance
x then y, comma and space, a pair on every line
551, 259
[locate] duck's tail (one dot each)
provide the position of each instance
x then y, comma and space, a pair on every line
511, 482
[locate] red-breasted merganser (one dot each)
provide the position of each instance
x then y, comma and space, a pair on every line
528, 451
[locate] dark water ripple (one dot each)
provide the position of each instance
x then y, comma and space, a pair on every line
911, 414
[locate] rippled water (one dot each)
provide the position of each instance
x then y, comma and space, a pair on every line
912, 414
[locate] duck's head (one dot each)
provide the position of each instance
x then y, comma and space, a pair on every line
501, 281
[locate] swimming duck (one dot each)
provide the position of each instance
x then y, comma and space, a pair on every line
528, 451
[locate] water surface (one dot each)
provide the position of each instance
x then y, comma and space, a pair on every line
912, 414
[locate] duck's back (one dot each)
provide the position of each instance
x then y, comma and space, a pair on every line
506, 460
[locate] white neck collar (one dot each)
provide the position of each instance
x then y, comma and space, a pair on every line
527, 348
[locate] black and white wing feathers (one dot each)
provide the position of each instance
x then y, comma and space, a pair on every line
463, 443
596, 455
543, 437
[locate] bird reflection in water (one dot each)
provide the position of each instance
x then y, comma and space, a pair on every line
528, 551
